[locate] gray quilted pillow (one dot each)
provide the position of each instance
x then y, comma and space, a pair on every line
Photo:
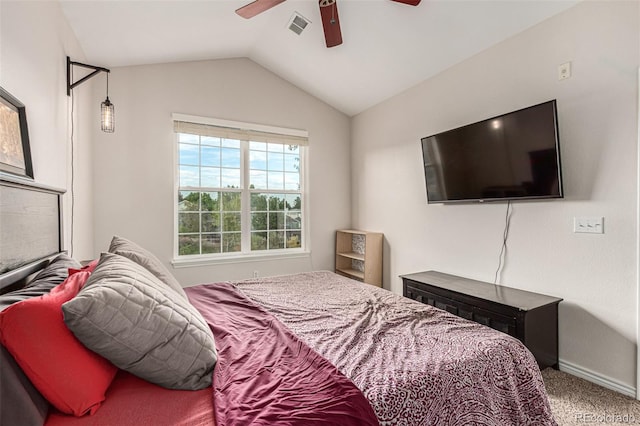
145, 258
134, 320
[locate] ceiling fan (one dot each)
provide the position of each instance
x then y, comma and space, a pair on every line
328, 13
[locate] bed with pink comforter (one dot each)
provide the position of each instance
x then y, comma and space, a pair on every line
320, 349
415, 364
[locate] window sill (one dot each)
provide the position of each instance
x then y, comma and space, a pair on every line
193, 261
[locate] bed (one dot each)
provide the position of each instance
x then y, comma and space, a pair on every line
303, 349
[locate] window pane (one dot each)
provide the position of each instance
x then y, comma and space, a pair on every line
188, 222
230, 178
231, 242
230, 157
188, 201
210, 177
211, 201
294, 239
276, 220
275, 180
293, 201
209, 140
257, 160
210, 156
211, 243
276, 202
212, 183
258, 146
292, 181
259, 202
188, 244
258, 221
257, 180
231, 202
189, 154
189, 176
276, 239
210, 222
275, 147
258, 241
275, 161
294, 220
231, 222
186, 137
291, 163
230, 143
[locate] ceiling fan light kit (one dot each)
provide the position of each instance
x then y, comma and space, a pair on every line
328, 13
330, 22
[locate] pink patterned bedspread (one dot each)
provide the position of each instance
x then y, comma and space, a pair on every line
417, 365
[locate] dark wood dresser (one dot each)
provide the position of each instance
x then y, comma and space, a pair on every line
530, 317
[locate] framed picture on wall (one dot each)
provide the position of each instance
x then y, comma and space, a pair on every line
15, 154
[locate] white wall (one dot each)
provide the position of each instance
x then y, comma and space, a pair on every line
35, 40
595, 274
133, 167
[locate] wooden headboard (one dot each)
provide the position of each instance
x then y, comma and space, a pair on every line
30, 228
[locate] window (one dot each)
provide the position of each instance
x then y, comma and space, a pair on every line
240, 188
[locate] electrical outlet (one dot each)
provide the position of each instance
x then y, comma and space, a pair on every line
564, 71
588, 225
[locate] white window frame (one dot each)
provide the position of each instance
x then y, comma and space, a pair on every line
247, 255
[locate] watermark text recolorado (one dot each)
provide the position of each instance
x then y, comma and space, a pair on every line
605, 418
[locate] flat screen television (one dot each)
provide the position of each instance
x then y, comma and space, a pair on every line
509, 157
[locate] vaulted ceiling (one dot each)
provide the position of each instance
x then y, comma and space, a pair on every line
388, 47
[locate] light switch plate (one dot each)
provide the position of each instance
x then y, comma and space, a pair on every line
588, 225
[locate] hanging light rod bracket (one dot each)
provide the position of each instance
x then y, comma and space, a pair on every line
70, 63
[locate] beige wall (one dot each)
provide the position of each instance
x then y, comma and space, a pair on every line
595, 274
35, 40
133, 167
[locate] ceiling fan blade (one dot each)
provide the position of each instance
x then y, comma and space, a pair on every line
330, 22
410, 2
258, 6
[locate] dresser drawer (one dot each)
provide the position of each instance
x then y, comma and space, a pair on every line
495, 320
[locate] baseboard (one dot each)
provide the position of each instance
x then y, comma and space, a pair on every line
596, 378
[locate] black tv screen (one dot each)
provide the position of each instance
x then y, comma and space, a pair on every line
509, 157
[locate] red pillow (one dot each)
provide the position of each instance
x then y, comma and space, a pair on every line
70, 376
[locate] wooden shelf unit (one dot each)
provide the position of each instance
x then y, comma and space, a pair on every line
359, 255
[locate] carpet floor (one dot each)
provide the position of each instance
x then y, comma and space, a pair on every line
575, 401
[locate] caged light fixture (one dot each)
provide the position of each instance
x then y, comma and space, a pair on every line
108, 119
107, 116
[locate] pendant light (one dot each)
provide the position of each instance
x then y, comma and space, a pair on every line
107, 114
108, 119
